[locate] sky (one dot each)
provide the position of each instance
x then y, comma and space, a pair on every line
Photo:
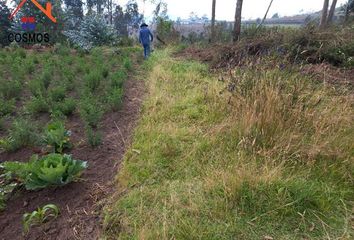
225, 9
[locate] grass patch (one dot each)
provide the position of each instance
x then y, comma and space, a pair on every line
270, 158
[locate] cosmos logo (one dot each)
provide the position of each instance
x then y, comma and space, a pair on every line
47, 11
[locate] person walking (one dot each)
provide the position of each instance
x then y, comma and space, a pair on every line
145, 38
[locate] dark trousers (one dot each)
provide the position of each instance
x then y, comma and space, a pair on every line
146, 50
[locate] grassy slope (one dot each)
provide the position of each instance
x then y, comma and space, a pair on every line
275, 159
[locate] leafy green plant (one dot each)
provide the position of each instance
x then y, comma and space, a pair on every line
57, 137
6, 188
39, 216
37, 87
127, 63
10, 89
51, 170
21, 134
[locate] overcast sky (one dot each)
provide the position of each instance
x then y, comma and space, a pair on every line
225, 9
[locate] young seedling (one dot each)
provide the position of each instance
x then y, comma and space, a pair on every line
40, 216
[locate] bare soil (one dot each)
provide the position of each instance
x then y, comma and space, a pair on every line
79, 202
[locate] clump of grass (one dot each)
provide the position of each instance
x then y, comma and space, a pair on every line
21, 134
10, 89
127, 63
57, 94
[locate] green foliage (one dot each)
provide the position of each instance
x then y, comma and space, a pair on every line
6, 188
93, 80
127, 63
90, 111
115, 98
57, 94
5, 23
94, 138
51, 170
10, 89
66, 107
118, 79
7, 106
37, 105
57, 137
40, 216
21, 134
37, 87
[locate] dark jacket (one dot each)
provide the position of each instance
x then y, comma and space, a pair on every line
145, 36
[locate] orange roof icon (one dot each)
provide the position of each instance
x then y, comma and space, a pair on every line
47, 11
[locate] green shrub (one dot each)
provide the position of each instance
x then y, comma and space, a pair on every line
21, 134
7, 107
57, 137
37, 105
105, 72
40, 216
46, 77
118, 79
91, 112
66, 107
94, 138
115, 98
51, 170
93, 80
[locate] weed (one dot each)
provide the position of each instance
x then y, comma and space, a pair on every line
37, 87
40, 216
127, 63
57, 94
105, 72
10, 89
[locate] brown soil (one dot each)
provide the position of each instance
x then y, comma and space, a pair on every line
79, 202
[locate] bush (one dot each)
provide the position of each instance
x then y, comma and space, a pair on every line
57, 137
5, 24
127, 63
37, 88
51, 170
21, 134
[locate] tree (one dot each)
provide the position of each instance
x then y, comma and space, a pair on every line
75, 6
119, 21
213, 21
238, 15
5, 24
331, 12
347, 9
275, 16
132, 16
324, 14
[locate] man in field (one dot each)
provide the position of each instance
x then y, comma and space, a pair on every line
145, 38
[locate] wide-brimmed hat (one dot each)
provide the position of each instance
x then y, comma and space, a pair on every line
144, 25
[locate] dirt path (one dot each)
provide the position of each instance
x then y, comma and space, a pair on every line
78, 202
